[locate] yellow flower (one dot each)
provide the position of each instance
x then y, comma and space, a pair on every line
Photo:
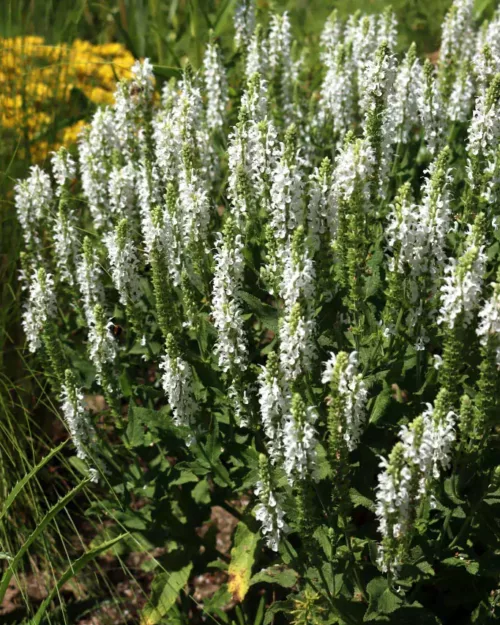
36, 82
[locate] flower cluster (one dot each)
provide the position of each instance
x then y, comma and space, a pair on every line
248, 229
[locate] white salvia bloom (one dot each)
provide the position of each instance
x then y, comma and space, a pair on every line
33, 200
261, 145
414, 463
387, 29
78, 420
353, 169
458, 37
425, 237
167, 144
124, 264
122, 190
89, 279
63, 168
39, 308
103, 349
177, 382
239, 177
361, 34
489, 320
462, 95
280, 61
273, 405
330, 38
354, 395
254, 99
95, 147
297, 348
231, 347
195, 207
215, 87
338, 90
257, 57
287, 189
484, 129
403, 233
132, 98
65, 233
244, 22
320, 212
270, 513
404, 105
461, 291
430, 107
299, 441
299, 274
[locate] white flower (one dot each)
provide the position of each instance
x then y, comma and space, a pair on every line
95, 147
354, 395
489, 321
103, 349
89, 279
338, 90
122, 184
177, 381
286, 194
215, 87
270, 513
461, 291
65, 232
403, 106
231, 347
63, 167
78, 420
33, 200
273, 405
39, 308
244, 22
299, 441
430, 108
124, 264
404, 482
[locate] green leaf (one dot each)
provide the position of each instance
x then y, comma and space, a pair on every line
276, 575
242, 559
380, 404
360, 500
164, 592
322, 536
275, 608
201, 492
265, 313
383, 600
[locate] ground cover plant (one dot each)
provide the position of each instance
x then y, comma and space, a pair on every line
284, 283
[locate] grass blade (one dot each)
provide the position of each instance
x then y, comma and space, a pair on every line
35, 534
22, 483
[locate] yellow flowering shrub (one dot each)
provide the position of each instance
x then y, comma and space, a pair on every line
45, 90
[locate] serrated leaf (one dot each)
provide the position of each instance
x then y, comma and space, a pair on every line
276, 575
383, 600
164, 592
242, 559
321, 534
360, 500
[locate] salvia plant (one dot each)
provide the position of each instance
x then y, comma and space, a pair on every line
282, 274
